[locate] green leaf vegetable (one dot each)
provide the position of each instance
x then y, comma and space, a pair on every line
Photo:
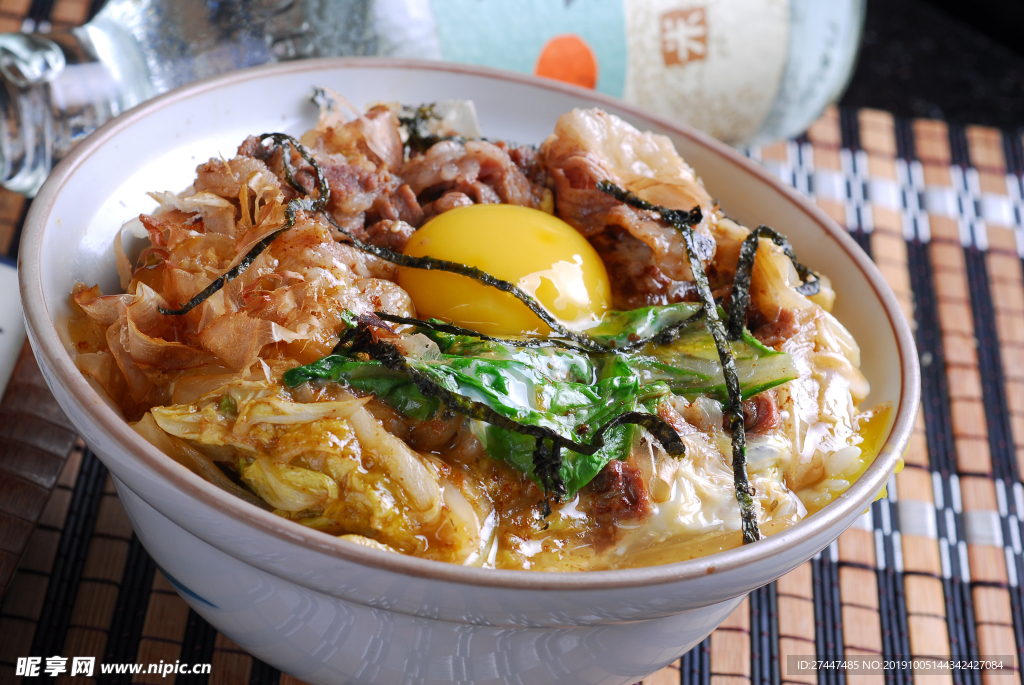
569, 391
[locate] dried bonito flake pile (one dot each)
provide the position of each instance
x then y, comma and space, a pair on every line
263, 341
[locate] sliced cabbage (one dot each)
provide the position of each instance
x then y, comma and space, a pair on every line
289, 488
328, 464
191, 458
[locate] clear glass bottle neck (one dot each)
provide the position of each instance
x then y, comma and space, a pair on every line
59, 87
56, 90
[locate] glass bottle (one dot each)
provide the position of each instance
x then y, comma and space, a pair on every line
746, 71
59, 87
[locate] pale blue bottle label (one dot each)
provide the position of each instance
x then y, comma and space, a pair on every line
511, 34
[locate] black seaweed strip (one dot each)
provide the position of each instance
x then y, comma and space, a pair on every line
673, 217
129, 612
420, 138
663, 337
291, 212
739, 298
683, 222
289, 172
547, 457
547, 466
433, 264
458, 330
235, 271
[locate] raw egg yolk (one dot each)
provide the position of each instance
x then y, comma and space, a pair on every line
546, 257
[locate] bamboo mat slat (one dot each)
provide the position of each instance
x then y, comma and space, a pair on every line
35, 441
933, 569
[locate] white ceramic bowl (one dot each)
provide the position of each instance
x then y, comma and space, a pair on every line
328, 611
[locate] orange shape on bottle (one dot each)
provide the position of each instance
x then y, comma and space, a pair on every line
568, 58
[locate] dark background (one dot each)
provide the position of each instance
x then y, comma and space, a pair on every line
960, 61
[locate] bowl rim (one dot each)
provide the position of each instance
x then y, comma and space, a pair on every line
48, 345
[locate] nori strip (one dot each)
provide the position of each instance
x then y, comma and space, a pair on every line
740, 297
664, 337
547, 459
416, 125
683, 222
678, 218
433, 264
441, 327
299, 204
547, 465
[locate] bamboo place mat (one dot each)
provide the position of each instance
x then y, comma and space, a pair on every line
932, 570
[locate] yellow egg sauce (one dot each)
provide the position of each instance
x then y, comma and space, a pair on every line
541, 254
874, 429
